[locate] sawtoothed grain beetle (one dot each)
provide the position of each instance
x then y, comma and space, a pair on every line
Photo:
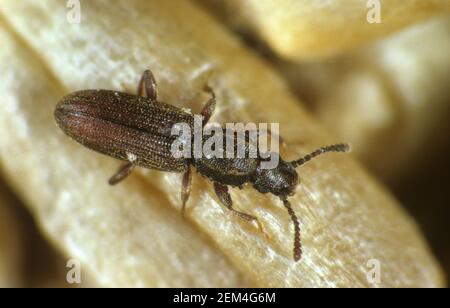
137, 130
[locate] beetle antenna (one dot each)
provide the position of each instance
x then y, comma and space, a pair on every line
340, 147
297, 244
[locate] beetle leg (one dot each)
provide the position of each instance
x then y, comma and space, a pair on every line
149, 83
208, 108
224, 196
186, 188
254, 141
281, 139
122, 173
272, 134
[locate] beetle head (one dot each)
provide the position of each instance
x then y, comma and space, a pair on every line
280, 181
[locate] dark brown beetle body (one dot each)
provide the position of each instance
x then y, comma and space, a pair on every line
137, 129
121, 125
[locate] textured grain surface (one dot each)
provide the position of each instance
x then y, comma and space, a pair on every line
133, 234
299, 29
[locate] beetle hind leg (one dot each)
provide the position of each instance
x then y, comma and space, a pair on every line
186, 189
122, 173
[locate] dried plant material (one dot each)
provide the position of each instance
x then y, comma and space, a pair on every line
389, 98
46, 267
298, 29
123, 236
26, 259
133, 234
11, 242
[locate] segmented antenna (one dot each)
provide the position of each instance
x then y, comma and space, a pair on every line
297, 244
340, 147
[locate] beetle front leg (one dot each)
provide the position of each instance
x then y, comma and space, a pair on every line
208, 108
149, 83
272, 134
122, 173
186, 189
225, 198
267, 132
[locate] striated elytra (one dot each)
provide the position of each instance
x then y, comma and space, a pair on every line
137, 130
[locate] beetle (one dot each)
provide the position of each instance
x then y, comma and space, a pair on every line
137, 130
